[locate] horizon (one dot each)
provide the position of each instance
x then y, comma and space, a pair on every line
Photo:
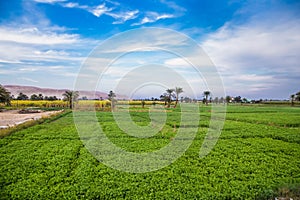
253, 46
140, 97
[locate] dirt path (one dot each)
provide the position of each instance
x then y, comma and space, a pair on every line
12, 117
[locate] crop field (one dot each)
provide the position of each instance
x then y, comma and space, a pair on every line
256, 157
64, 104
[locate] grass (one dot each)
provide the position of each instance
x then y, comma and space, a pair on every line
256, 157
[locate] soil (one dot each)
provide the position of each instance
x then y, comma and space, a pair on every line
13, 117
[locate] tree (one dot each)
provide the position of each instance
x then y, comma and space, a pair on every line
297, 97
238, 99
216, 100
170, 95
181, 99
187, 100
34, 97
143, 103
54, 98
228, 99
178, 90
71, 97
84, 98
244, 100
292, 99
206, 94
51, 98
111, 96
22, 96
164, 97
221, 100
41, 97
4, 96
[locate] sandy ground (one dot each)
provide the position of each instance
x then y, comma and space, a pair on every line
12, 117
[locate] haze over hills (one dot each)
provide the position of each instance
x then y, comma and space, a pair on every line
29, 90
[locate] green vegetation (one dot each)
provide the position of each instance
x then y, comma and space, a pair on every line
178, 90
171, 94
112, 98
256, 157
4, 96
22, 96
206, 94
71, 97
295, 97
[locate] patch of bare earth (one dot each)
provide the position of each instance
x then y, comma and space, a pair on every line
13, 117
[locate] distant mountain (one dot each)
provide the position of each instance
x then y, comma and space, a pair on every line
29, 90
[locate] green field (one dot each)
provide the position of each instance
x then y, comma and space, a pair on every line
256, 157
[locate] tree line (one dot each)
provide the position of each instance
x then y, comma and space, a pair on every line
169, 96
34, 97
6, 97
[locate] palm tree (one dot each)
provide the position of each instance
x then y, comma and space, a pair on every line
4, 96
206, 94
164, 97
170, 94
178, 90
111, 96
71, 97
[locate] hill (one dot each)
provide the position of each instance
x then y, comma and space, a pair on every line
29, 90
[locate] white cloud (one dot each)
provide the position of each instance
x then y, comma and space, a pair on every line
152, 17
6, 71
178, 62
95, 10
119, 16
164, 16
29, 44
33, 52
10, 61
178, 9
99, 10
33, 48
124, 16
155, 40
49, 1
255, 45
252, 77
256, 52
29, 79
103, 9
52, 53
15, 54
34, 36
113, 2
74, 5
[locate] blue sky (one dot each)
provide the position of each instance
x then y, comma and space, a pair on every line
255, 45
